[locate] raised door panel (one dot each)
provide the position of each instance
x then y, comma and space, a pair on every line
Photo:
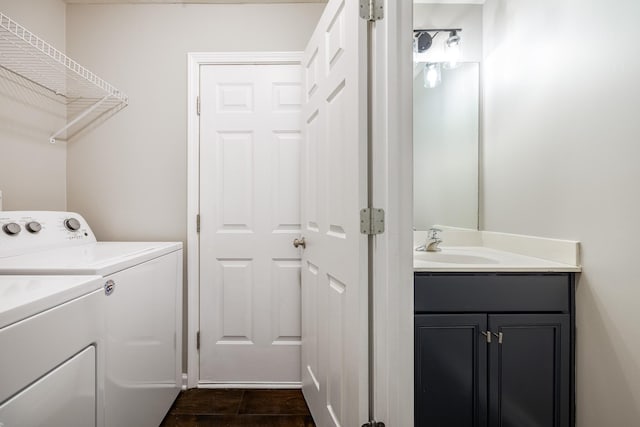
311, 327
450, 370
529, 371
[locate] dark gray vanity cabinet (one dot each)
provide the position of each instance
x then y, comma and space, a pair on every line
491, 352
450, 370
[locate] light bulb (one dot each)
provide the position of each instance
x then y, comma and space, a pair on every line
432, 75
453, 51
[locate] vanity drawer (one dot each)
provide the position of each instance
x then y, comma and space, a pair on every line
480, 292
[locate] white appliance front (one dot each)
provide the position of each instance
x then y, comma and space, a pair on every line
52, 358
144, 365
143, 368
64, 397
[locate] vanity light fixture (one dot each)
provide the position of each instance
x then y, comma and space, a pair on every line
423, 40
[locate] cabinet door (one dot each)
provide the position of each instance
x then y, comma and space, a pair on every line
529, 378
450, 370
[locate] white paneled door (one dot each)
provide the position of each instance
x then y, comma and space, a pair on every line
270, 313
334, 189
250, 301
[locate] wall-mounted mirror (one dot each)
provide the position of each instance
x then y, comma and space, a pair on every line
445, 146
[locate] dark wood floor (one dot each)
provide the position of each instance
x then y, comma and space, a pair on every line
233, 407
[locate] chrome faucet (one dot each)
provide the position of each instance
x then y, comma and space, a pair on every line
431, 245
434, 240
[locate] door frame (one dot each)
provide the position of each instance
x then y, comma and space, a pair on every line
392, 171
194, 61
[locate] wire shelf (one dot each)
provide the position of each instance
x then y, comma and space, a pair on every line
40, 65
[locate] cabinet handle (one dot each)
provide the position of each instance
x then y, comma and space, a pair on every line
487, 335
499, 336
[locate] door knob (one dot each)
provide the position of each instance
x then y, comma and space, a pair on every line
299, 242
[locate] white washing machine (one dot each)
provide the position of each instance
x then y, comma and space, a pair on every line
143, 310
51, 351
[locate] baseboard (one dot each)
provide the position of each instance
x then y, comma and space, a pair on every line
248, 385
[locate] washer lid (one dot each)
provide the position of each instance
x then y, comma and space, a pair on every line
24, 296
101, 258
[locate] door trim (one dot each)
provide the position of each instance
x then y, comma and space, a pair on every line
194, 61
392, 140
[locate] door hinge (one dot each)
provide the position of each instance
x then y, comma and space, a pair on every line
197, 105
198, 223
372, 10
372, 221
198, 340
373, 424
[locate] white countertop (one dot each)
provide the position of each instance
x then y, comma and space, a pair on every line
482, 259
483, 251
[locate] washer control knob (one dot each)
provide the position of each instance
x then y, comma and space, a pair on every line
11, 229
33, 227
72, 224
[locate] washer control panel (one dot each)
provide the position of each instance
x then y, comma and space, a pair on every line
27, 231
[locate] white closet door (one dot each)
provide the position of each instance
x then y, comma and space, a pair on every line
334, 263
250, 212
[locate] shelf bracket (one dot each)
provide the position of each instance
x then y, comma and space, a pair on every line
85, 113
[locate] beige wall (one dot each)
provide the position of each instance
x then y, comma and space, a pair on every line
561, 156
128, 177
32, 171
